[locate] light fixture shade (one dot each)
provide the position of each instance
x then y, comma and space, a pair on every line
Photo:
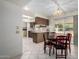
58, 12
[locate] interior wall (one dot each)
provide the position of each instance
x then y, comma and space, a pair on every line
51, 24
10, 41
64, 20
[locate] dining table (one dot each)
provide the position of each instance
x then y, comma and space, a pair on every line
58, 38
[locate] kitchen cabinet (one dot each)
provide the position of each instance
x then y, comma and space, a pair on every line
38, 37
43, 21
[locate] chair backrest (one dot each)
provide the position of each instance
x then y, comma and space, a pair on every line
52, 35
62, 40
69, 36
45, 36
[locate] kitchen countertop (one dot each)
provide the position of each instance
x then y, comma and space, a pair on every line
38, 31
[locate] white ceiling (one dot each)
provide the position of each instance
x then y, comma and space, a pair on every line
20, 3
48, 7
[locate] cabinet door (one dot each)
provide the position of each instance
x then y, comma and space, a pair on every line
39, 20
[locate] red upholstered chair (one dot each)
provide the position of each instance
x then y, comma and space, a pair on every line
61, 44
69, 36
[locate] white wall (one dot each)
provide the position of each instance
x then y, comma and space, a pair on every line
10, 42
64, 20
51, 24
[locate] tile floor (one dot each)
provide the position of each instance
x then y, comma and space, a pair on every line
35, 51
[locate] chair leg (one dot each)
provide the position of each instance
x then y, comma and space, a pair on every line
53, 50
44, 48
61, 52
50, 47
65, 53
56, 53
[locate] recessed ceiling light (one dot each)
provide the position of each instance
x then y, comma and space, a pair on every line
24, 16
26, 8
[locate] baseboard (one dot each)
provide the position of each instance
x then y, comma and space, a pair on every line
19, 55
4, 57
9, 57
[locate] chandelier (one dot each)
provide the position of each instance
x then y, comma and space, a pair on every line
58, 12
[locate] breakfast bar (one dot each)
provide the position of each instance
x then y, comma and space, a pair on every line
37, 37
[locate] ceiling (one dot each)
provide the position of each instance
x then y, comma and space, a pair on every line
20, 3
48, 7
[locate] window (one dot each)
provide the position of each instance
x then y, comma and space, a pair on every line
59, 27
68, 26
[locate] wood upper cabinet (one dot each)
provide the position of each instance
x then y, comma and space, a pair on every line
39, 20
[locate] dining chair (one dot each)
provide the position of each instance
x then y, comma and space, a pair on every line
47, 43
52, 36
69, 36
61, 46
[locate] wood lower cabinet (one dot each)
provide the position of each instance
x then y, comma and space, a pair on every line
38, 37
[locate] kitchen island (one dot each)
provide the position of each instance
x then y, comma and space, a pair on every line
38, 37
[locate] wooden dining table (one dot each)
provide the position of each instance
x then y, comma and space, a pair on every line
59, 37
